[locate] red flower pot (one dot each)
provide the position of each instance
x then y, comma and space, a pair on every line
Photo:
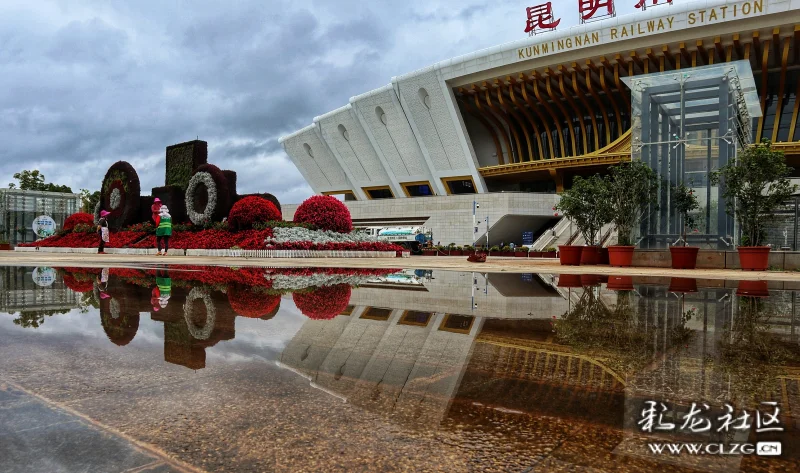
621, 256
569, 280
753, 289
684, 257
682, 285
570, 255
591, 255
521, 254
590, 280
754, 258
620, 283
5, 247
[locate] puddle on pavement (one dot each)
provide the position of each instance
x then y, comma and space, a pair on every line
397, 370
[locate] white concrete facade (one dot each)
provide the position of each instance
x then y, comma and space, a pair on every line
412, 129
450, 217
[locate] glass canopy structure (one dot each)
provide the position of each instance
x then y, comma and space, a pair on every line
687, 124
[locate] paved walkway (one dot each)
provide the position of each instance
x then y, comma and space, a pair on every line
452, 263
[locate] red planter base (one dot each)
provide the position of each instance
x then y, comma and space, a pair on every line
754, 258
569, 280
753, 289
549, 254
570, 255
620, 283
521, 254
620, 256
683, 285
591, 255
5, 247
684, 257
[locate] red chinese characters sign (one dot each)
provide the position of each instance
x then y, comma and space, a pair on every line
595, 9
643, 3
541, 19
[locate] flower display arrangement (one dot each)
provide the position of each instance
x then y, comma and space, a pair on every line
319, 293
211, 216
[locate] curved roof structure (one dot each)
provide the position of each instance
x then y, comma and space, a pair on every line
503, 118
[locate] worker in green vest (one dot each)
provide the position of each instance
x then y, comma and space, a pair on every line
164, 230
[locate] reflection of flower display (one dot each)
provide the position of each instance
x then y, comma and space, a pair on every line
115, 199
211, 313
249, 302
323, 303
296, 282
201, 182
76, 283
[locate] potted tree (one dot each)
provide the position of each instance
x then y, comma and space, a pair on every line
494, 250
585, 204
632, 188
521, 251
755, 184
684, 201
4, 244
549, 252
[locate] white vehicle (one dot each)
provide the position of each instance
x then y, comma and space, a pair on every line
412, 237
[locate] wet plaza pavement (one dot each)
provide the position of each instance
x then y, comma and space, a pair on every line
187, 368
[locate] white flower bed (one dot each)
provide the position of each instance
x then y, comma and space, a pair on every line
115, 199
200, 218
285, 235
284, 282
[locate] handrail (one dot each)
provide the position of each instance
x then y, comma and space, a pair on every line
546, 238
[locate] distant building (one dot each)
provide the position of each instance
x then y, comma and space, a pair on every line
19, 208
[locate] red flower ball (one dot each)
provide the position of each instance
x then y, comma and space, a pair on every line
75, 284
77, 219
251, 210
323, 303
325, 213
248, 303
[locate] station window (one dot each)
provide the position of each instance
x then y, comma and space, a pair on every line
415, 317
347, 310
382, 192
460, 185
347, 195
377, 313
418, 189
457, 323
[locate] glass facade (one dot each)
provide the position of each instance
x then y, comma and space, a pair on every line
19, 208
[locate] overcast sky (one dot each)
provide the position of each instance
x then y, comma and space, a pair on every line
86, 83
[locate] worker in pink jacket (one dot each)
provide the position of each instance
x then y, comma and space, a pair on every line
154, 209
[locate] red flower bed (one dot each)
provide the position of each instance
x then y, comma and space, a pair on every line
325, 213
124, 239
248, 303
79, 282
76, 219
323, 303
251, 210
70, 240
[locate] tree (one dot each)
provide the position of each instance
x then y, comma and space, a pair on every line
756, 184
684, 201
89, 200
34, 181
632, 187
587, 204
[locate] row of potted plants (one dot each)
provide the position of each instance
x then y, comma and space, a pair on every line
754, 185
518, 252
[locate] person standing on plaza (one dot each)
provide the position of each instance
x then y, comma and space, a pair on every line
164, 229
154, 209
102, 231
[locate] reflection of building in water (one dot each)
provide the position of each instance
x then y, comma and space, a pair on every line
19, 293
477, 294
584, 395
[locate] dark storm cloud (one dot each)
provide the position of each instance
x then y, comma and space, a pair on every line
85, 84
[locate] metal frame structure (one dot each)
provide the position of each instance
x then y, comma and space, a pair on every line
711, 105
